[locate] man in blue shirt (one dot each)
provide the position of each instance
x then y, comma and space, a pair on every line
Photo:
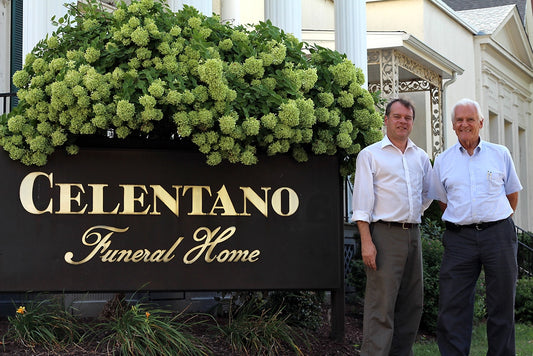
477, 186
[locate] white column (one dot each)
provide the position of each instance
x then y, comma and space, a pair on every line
37, 21
230, 11
285, 14
204, 6
350, 31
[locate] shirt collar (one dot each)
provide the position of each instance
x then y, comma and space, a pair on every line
386, 142
478, 148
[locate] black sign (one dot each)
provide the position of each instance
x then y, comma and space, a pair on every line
131, 219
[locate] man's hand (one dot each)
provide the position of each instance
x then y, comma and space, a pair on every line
369, 253
368, 249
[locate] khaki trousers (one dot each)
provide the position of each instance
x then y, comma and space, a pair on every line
394, 292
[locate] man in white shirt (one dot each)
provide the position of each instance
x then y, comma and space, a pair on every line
390, 195
477, 186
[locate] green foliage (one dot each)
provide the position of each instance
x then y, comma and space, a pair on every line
144, 71
357, 277
432, 251
524, 346
524, 300
299, 308
480, 303
141, 330
433, 214
43, 324
260, 332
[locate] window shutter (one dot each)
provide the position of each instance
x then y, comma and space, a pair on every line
16, 43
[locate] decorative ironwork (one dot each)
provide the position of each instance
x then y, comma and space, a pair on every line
417, 68
436, 120
389, 84
388, 74
414, 85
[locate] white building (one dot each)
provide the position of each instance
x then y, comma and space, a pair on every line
423, 49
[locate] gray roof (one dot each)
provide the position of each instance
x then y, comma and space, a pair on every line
486, 20
460, 5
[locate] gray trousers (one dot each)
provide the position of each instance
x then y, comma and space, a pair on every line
394, 292
465, 252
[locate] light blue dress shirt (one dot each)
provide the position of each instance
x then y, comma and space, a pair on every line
475, 188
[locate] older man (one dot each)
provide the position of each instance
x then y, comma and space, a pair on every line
477, 186
390, 195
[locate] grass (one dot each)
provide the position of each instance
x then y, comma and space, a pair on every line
524, 342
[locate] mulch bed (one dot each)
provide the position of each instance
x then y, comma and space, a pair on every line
320, 343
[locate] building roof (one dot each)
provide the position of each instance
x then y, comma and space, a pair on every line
486, 20
460, 5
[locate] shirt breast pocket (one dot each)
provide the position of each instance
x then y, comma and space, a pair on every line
495, 182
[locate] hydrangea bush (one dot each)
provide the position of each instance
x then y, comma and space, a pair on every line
144, 71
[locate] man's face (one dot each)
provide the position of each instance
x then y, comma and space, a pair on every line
399, 122
467, 123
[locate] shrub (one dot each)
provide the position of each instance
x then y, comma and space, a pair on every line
480, 304
524, 300
263, 333
298, 308
357, 277
141, 330
43, 324
432, 251
144, 71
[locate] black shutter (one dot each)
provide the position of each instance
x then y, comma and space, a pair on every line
16, 43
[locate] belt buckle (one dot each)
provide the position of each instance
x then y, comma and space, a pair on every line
404, 226
478, 228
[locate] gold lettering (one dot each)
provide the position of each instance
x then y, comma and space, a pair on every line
255, 199
26, 193
238, 256
65, 198
224, 199
138, 255
100, 243
206, 235
98, 200
196, 198
293, 201
171, 203
124, 255
210, 241
130, 199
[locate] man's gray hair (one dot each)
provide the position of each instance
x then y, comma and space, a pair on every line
465, 102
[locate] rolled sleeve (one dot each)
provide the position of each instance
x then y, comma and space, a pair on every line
363, 193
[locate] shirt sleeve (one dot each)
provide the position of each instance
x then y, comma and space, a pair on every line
436, 186
512, 183
426, 199
363, 192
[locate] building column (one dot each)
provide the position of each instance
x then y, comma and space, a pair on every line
230, 11
350, 32
204, 6
285, 14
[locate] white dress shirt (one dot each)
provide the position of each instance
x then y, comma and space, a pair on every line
475, 187
391, 185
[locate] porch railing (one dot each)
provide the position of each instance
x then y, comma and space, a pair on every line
5, 99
